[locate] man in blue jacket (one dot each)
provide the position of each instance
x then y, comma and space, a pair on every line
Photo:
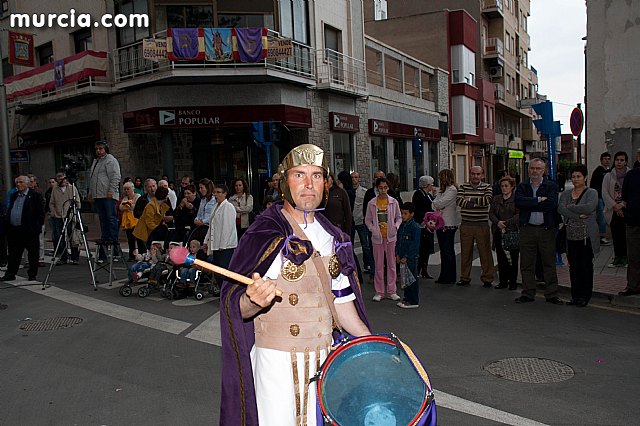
25, 218
537, 200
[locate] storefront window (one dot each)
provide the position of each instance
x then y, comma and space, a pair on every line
342, 153
378, 155
419, 166
185, 17
434, 156
400, 161
227, 20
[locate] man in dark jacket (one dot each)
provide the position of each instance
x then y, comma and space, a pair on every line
631, 200
422, 200
596, 183
537, 200
25, 218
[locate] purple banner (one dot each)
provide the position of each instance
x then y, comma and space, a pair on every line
185, 42
250, 47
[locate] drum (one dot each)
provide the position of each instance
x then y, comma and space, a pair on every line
374, 381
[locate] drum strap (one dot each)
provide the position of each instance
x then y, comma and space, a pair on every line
324, 277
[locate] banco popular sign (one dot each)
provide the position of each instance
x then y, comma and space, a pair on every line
187, 118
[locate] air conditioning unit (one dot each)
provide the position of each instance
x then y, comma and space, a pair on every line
495, 72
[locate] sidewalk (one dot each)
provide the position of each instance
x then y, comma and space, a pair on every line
607, 282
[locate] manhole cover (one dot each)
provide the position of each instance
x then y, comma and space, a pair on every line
530, 370
50, 324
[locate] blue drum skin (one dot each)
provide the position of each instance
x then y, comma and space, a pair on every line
372, 381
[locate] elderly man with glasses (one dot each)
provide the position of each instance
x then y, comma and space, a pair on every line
24, 224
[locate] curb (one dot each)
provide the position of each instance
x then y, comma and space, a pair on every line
603, 298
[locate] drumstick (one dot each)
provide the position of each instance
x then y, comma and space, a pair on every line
180, 255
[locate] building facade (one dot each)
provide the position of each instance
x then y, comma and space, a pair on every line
485, 46
200, 117
612, 111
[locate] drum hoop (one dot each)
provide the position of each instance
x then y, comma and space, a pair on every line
389, 339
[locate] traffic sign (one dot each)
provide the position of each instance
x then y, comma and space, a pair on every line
576, 121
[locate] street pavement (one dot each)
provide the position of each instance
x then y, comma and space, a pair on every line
152, 361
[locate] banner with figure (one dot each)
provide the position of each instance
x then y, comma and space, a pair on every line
218, 45
58, 72
185, 44
21, 49
249, 44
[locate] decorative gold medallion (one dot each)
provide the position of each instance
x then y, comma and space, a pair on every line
294, 329
293, 299
334, 266
292, 272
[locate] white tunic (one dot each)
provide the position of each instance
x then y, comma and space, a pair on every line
272, 376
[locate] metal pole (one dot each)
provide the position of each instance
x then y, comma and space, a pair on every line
579, 158
551, 148
4, 129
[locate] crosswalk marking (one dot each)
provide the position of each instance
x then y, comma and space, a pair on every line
124, 313
208, 331
456, 403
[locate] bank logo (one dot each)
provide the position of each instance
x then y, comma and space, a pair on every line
336, 120
167, 117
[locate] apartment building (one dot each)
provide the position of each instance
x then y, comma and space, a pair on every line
199, 117
485, 46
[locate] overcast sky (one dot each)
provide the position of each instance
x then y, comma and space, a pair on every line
556, 28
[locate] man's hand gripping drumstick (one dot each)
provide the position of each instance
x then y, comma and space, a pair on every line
259, 295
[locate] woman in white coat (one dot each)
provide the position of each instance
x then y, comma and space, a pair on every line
221, 239
445, 203
383, 219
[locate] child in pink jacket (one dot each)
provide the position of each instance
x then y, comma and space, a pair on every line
383, 219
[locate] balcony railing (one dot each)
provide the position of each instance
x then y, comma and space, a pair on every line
494, 46
488, 5
340, 72
129, 62
89, 85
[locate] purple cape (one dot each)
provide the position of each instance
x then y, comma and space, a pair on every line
257, 250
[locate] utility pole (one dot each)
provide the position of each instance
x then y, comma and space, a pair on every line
4, 129
579, 140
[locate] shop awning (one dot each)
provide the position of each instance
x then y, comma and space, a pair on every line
88, 131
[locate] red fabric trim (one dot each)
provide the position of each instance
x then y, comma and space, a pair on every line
47, 86
49, 67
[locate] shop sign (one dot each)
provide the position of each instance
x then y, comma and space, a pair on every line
390, 128
280, 48
19, 155
517, 154
154, 49
188, 118
501, 151
151, 119
344, 122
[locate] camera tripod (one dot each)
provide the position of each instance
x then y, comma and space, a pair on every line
71, 219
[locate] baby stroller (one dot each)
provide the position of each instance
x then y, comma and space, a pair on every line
201, 284
154, 269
